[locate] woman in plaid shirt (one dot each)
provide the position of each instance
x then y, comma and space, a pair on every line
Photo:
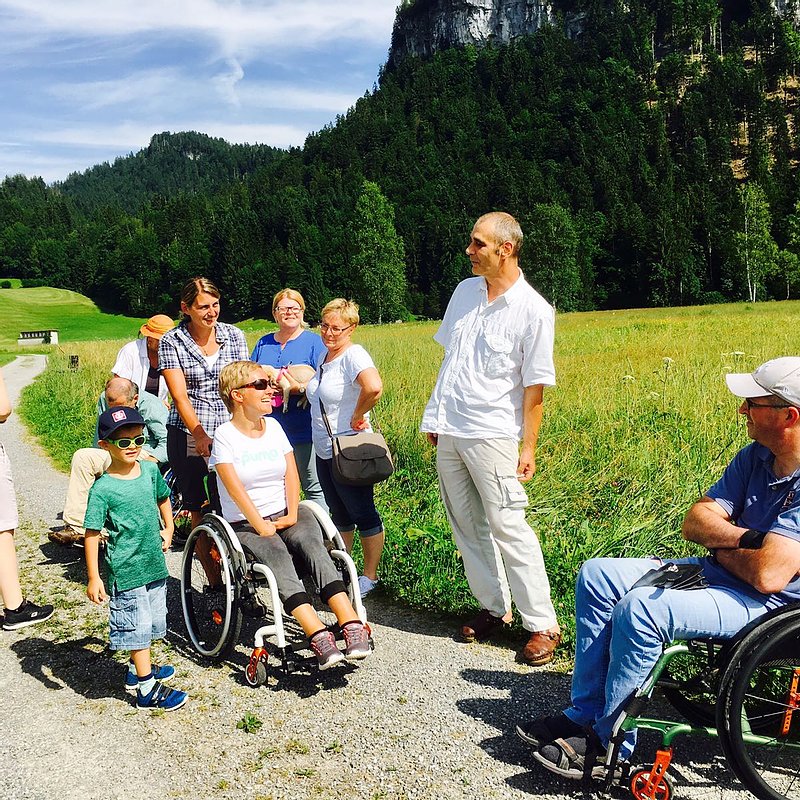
190, 358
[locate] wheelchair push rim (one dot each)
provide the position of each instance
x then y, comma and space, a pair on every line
211, 609
758, 711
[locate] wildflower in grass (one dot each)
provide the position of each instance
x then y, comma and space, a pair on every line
667, 362
628, 378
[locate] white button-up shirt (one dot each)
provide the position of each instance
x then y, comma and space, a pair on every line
492, 352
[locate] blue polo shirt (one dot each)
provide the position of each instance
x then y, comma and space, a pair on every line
307, 348
755, 498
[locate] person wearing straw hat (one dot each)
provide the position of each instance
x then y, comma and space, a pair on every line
138, 360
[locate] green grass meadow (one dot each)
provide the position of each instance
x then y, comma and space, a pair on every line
76, 318
638, 427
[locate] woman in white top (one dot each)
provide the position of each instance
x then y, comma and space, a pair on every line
259, 490
347, 386
138, 360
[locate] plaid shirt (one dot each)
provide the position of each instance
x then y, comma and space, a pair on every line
177, 350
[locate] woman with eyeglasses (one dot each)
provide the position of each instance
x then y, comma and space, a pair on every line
191, 358
347, 386
260, 494
291, 345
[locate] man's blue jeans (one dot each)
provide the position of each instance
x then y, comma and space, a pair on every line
620, 633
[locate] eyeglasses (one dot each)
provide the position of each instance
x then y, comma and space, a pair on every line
751, 404
335, 331
124, 444
260, 385
288, 309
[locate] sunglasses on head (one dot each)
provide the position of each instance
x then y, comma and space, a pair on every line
261, 385
136, 441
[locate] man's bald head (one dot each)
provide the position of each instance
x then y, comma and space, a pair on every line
505, 229
121, 392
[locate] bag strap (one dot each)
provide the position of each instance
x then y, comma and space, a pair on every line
322, 407
372, 419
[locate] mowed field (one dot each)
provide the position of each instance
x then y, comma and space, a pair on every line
638, 427
76, 317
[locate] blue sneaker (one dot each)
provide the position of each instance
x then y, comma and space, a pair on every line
365, 585
161, 697
163, 673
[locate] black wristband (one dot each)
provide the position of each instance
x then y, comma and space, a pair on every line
752, 540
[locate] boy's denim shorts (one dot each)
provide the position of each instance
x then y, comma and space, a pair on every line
138, 616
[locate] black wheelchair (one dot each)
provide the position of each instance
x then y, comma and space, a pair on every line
213, 610
744, 691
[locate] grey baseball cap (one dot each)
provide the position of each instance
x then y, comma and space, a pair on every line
780, 377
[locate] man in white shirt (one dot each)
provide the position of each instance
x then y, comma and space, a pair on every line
498, 338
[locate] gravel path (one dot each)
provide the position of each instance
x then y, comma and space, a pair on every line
425, 717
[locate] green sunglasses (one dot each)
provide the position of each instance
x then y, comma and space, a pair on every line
123, 444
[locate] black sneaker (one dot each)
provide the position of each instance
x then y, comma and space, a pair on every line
27, 614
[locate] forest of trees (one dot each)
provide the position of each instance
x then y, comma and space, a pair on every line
652, 160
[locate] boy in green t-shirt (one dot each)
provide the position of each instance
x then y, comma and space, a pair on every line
131, 501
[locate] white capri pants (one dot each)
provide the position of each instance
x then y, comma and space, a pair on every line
9, 517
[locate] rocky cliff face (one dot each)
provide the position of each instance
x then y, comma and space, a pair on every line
424, 27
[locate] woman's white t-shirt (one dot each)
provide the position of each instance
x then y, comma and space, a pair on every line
260, 464
335, 384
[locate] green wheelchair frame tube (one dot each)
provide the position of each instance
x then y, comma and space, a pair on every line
668, 729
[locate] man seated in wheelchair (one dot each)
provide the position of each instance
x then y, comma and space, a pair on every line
749, 521
259, 492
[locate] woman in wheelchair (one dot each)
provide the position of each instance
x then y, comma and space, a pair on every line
259, 492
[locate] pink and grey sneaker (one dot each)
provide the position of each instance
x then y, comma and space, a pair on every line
323, 645
356, 639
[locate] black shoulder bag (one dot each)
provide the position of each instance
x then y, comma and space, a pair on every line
361, 458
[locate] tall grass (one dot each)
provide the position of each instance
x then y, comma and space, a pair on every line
638, 427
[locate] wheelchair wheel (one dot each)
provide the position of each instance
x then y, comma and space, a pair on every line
662, 790
210, 590
255, 675
690, 682
758, 711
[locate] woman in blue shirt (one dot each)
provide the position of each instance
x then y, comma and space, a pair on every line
290, 345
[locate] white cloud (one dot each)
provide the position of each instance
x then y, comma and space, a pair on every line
143, 87
237, 26
167, 90
88, 80
226, 82
15, 160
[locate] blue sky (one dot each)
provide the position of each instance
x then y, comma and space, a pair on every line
85, 81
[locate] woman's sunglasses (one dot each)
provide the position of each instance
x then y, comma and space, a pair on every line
261, 385
123, 444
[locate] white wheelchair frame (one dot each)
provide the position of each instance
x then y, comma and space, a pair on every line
240, 576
